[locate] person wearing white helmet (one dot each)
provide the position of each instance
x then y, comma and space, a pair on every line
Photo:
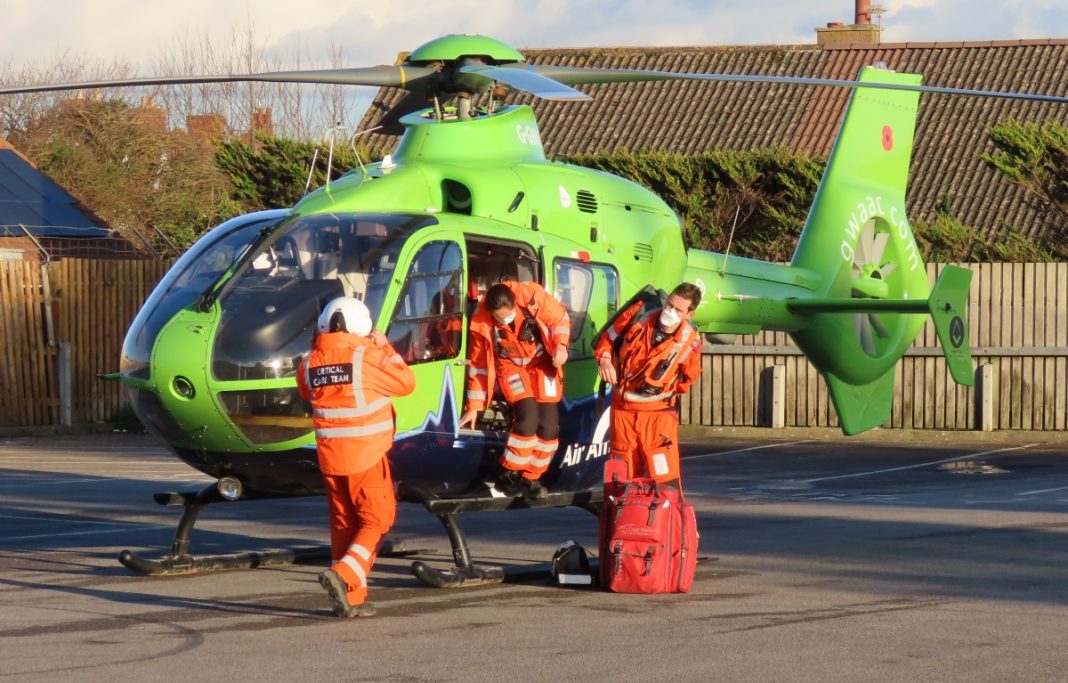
349, 377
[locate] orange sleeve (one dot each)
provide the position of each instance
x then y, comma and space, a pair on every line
607, 339
302, 384
391, 375
553, 315
690, 369
479, 355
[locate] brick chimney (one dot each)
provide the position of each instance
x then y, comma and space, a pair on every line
863, 12
149, 116
261, 122
206, 126
860, 33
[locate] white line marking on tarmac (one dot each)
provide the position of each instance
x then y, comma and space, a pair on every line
117, 527
65, 519
79, 463
743, 450
917, 465
1032, 493
34, 482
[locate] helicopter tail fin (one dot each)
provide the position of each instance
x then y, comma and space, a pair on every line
858, 239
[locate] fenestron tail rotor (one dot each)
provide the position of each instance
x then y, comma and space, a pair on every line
870, 270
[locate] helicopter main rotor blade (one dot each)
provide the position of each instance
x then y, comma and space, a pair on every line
390, 122
381, 76
578, 75
527, 81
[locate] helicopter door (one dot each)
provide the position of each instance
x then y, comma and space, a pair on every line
590, 293
427, 330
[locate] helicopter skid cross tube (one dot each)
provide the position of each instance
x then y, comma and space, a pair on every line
465, 572
179, 561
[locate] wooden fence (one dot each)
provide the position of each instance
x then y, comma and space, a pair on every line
1018, 317
83, 306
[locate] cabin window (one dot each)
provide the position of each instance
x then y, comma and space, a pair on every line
428, 322
590, 293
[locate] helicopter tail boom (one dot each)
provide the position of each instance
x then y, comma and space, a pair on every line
873, 292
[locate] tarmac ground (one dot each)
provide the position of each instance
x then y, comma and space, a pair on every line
895, 556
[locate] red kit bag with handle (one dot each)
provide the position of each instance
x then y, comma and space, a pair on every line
648, 536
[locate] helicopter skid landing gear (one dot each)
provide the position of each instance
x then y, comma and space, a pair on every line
179, 561
465, 573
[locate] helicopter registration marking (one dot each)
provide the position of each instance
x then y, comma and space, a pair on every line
528, 135
872, 207
581, 452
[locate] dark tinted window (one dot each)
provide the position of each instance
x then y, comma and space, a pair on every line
270, 306
187, 279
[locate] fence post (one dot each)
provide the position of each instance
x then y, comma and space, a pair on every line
773, 396
778, 396
63, 371
984, 397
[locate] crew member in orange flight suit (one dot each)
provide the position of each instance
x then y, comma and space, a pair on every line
349, 378
518, 343
650, 361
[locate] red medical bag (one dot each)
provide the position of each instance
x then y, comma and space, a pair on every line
648, 535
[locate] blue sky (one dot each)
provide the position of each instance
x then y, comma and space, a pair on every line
365, 33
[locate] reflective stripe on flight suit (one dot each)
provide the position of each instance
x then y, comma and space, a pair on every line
543, 453
353, 558
352, 412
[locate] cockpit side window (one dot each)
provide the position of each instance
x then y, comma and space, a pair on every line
590, 293
428, 322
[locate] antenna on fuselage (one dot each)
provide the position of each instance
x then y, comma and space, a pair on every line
352, 145
726, 254
311, 169
332, 132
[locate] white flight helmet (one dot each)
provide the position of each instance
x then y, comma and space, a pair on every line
357, 317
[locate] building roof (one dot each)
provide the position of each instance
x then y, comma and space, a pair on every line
37, 214
688, 116
29, 198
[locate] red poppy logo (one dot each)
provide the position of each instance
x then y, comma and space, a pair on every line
888, 138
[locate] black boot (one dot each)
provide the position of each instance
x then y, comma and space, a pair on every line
509, 483
532, 488
336, 589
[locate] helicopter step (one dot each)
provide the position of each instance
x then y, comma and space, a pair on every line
179, 561
465, 572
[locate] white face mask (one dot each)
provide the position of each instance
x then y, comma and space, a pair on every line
509, 319
669, 318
